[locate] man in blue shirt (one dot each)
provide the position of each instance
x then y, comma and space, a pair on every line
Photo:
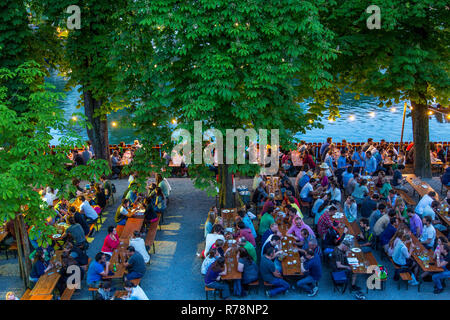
312, 268
371, 164
97, 270
325, 146
304, 180
346, 176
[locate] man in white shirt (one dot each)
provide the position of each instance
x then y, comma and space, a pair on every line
86, 208
216, 233
424, 202
307, 189
135, 292
50, 196
428, 233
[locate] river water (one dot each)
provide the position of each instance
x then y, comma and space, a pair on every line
360, 119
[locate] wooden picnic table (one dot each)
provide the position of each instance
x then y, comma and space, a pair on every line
365, 259
421, 251
419, 186
120, 271
444, 214
231, 263
42, 297
291, 264
229, 217
3, 233
133, 224
46, 283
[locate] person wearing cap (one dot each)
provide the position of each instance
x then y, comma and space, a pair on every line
340, 262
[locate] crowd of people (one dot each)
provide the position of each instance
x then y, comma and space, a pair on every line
366, 185
77, 217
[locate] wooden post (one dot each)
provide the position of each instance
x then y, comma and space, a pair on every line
403, 123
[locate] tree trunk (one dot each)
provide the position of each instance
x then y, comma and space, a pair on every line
422, 161
23, 249
226, 187
98, 134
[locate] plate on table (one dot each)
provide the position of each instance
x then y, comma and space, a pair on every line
56, 236
356, 250
338, 215
225, 211
424, 186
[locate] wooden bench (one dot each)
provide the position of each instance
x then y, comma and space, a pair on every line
151, 234
26, 295
410, 201
405, 276
119, 230
67, 294
208, 290
447, 188
439, 234
254, 285
93, 291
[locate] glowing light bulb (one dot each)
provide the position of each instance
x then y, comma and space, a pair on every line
351, 118
114, 124
331, 120
74, 118
174, 121
393, 109
448, 116
236, 24
372, 114
311, 121
430, 113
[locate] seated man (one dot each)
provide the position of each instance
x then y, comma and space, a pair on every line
308, 191
389, 232
428, 233
89, 212
135, 292
365, 238
122, 213
76, 233
442, 261
311, 267
265, 222
340, 263
135, 264
271, 275
97, 269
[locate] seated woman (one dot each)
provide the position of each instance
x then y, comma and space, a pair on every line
212, 214
111, 242
212, 256
150, 215
40, 266
213, 277
100, 197
160, 201
247, 267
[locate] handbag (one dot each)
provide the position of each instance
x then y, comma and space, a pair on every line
339, 276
